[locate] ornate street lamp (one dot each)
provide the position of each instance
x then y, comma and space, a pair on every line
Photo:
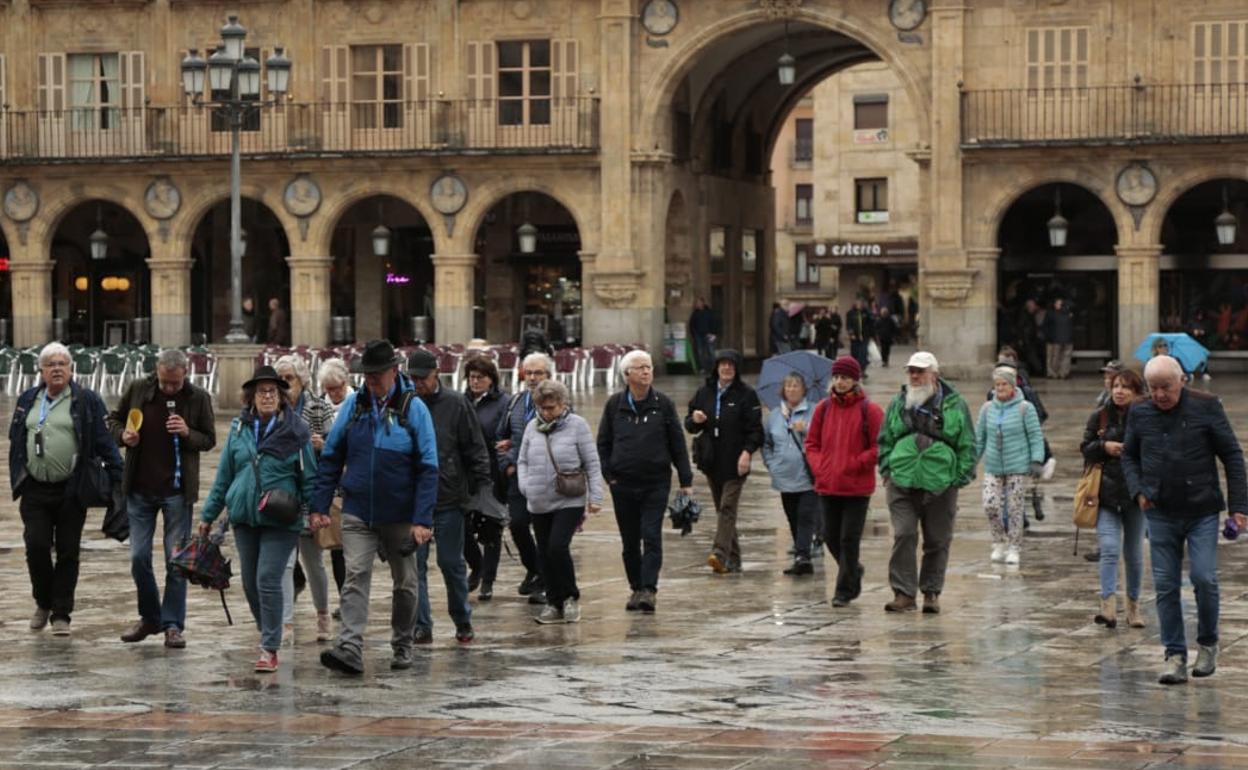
1058, 226
787, 69
381, 241
527, 234
1225, 223
99, 238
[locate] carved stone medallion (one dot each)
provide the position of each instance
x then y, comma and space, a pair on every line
162, 199
302, 196
448, 194
21, 202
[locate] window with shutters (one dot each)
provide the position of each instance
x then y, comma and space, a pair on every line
376, 86
871, 201
94, 90
870, 112
806, 275
1057, 59
1219, 52
803, 140
251, 121
524, 83
803, 215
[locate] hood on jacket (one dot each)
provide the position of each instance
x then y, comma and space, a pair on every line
727, 354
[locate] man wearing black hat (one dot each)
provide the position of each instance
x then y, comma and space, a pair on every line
465, 467
384, 438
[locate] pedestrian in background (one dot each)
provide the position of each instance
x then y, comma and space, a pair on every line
335, 381
162, 476
886, 331
1009, 440
861, 331
784, 454
1059, 335
779, 330
702, 328
483, 539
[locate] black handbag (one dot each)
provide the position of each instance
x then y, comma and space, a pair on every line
93, 487
117, 519
279, 507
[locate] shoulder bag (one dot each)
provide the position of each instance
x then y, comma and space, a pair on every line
1088, 489
567, 483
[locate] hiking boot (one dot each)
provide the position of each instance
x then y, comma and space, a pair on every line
322, 627
341, 659
1134, 618
266, 663
1174, 670
60, 626
931, 604
1206, 660
800, 567
422, 635
901, 603
1092, 555
571, 611
550, 615
487, 591
531, 581
537, 597
464, 633
402, 659
39, 619
137, 633
1108, 616
646, 602
717, 563
174, 639
631, 605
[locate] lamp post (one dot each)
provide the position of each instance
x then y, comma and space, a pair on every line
231, 69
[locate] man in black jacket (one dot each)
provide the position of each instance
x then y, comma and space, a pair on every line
639, 440
463, 468
1169, 460
727, 423
861, 331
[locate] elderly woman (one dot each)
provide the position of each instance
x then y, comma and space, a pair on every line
483, 544
784, 455
335, 381
319, 416
639, 441
1119, 521
1009, 441
265, 478
560, 478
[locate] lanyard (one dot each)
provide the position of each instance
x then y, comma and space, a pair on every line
719, 397
529, 410
379, 406
269, 429
44, 408
177, 456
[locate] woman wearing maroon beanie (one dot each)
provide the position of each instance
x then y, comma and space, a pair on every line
842, 447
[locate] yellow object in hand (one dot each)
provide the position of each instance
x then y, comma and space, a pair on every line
134, 420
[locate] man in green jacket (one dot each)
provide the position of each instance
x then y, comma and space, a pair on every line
927, 452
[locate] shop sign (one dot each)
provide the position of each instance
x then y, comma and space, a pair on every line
871, 136
842, 252
398, 278
872, 217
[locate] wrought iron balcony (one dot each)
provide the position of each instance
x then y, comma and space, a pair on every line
561, 125
1131, 114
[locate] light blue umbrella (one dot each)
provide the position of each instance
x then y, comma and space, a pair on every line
1190, 354
814, 369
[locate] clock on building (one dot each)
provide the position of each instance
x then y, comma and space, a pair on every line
907, 14
659, 17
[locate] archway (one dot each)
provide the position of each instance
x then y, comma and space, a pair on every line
265, 274
100, 283
1204, 272
678, 255
1035, 270
520, 288
383, 292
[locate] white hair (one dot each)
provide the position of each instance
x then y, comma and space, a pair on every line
1161, 366
332, 372
539, 358
297, 365
633, 358
53, 349
172, 358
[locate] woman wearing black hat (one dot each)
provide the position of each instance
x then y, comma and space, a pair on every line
265, 479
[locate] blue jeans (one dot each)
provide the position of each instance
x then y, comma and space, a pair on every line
1166, 537
262, 555
142, 510
448, 538
1124, 529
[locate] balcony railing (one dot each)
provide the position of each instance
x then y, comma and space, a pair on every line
433, 126
803, 150
1133, 114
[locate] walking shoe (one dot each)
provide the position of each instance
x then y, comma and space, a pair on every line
339, 658
717, 563
422, 635
800, 567
840, 601
266, 663
1046, 473
998, 552
464, 633
1094, 555
531, 581
474, 581
1206, 660
1134, 619
537, 597
137, 633
646, 602
487, 591
571, 611
931, 603
734, 564
1174, 670
1012, 557
901, 603
1108, 616
631, 605
39, 619
174, 639
402, 659
550, 614
337, 613
322, 627
60, 626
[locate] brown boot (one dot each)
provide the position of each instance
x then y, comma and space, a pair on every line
931, 604
1108, 616
1134, 619
900, 603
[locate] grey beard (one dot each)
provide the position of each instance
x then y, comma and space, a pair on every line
919, 396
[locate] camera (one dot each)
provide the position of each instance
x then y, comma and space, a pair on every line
39, 443
172, 406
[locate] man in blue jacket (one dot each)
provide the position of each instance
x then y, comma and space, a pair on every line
1169, 461
384, 437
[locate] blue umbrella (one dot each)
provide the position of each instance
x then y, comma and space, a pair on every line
814, 369
1191, 354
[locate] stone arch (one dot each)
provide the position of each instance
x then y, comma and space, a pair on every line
321, 233
984, 230
63, 200
1155, 217
488, 195
197, 205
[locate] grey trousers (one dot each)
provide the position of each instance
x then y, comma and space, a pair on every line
910, 511
360, 544
727, 494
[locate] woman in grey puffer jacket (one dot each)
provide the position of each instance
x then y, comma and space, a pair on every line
555, 441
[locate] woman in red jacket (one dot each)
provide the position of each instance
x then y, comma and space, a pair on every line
841, 447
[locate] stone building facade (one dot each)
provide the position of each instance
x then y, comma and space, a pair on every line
634, 135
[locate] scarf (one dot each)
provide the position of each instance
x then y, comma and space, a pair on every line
546, 427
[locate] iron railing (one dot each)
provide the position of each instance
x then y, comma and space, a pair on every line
1132, 114
803, 150
432, 126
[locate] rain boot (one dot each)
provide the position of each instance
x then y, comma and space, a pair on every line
1108, 616
1134, 619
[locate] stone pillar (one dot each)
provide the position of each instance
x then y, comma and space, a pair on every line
309, 300
32, 302
454, 287
170, 288
979, 334
1139, 279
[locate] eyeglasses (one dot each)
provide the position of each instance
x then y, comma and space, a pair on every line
915, 370
536, 373
477, 376
56, 365
266, 392
641, 368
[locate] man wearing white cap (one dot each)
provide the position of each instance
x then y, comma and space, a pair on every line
927, 452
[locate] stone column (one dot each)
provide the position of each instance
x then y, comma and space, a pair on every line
32, 302
454, 286
170, 287
979, 335
1139, 278
309, 300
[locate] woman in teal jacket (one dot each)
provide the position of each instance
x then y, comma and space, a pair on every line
269, 448
1009, 440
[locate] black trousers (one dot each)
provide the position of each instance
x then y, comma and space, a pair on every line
52, 520
521, 533
483, 547
886, 347
554, 541
843, 521
639, 517
802, 511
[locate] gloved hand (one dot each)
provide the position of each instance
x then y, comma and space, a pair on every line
1036, 470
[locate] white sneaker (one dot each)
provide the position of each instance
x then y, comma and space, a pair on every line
1050, 465
998, 552
1012, 557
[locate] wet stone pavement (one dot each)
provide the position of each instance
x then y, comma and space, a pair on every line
746, 671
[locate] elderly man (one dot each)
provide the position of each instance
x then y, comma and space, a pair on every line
927, 452
384, 438
161, 476
56, 424
1169, 461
